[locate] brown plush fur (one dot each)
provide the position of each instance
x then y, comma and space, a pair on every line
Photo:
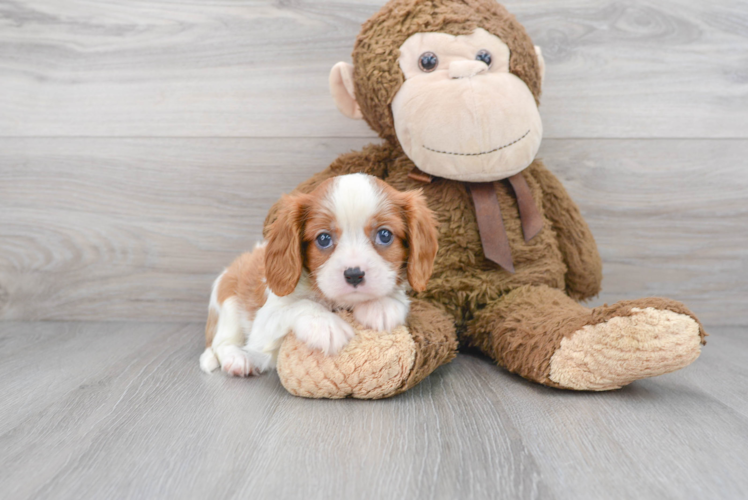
433, 332
518, 319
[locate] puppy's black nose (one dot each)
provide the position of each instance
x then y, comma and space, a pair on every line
353, 276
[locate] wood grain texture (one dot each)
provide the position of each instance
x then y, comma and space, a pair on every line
113, 410
250, 68
141, 144
106, 229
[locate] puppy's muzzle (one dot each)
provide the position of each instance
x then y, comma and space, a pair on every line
353, 276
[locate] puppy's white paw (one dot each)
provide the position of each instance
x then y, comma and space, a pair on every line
382, 314
236, 362
208, 361
326, 331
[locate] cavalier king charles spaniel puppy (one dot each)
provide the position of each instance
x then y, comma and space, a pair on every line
353, 243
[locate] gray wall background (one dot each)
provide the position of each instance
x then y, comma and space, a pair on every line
142, 142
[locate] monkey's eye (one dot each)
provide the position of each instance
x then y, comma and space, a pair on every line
484, 56
428, 62
324, 240
384, 237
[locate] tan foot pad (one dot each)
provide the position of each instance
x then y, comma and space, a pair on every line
610, 355
373, 365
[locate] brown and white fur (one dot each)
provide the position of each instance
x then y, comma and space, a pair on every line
297, 278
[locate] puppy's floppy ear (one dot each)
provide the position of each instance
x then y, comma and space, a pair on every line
422, 238
283, 259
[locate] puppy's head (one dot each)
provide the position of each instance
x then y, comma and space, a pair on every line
357, 237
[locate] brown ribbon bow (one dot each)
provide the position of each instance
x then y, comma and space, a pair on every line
488, 214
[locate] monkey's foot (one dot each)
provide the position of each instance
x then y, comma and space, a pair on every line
611, 354
373, 365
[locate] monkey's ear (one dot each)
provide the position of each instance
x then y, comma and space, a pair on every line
541, 62
341, 87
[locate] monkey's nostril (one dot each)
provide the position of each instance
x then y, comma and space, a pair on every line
353, 276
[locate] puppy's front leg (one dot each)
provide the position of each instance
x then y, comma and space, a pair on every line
310, 321
322, 329
383, 314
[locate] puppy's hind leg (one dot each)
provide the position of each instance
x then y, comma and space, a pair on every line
230, 335
208, 360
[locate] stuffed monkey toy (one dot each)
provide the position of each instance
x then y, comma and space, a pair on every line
453, 88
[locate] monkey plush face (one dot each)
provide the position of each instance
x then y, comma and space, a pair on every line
460, 114
454, 83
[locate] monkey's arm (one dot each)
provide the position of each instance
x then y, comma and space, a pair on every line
585, 269
371, 160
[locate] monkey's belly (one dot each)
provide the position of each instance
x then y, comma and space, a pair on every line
463, 279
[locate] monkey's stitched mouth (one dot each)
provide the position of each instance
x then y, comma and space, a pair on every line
478, 154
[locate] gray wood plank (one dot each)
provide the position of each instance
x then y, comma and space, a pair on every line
106, 229
250, 68
78, 352
149, 424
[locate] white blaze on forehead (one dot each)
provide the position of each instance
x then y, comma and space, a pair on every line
354, 200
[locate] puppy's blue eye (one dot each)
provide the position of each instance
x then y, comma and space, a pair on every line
324, 240
384, 237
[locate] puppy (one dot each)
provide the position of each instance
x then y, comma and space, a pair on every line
353, 243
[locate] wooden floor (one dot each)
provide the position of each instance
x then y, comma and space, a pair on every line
121, 410
141, 144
